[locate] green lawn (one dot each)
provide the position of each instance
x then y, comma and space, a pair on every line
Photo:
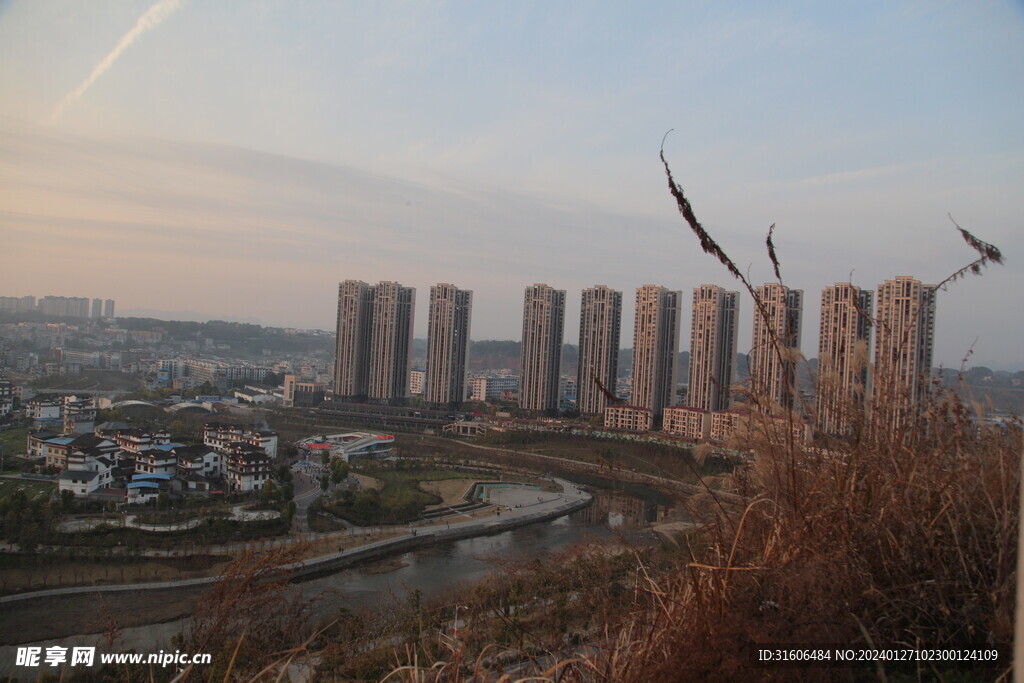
13, 440
32, 489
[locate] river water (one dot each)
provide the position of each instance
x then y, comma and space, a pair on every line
444, 568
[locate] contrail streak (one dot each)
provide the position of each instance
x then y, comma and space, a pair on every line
150, 19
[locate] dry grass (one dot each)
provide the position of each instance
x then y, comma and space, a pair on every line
250, 619
902, 533
914, 547
450, 491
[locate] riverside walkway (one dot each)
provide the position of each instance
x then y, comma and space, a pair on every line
517, 506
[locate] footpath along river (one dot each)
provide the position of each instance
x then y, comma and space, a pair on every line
156, 617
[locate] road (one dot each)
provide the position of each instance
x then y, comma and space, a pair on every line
307, 488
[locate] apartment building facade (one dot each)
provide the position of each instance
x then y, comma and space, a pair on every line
600, 327
374, 340
775, 349
713, 325
844, 346
655, 347
904, 346
448, 327
541, 348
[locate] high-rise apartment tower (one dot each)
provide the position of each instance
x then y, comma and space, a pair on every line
600, 325
541, 350
844, 346
351, 357
374, 342
391, 341
448, 344
712, 347
655, 347
904, 342
776, 345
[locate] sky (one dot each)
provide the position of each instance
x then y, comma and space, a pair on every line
237, 159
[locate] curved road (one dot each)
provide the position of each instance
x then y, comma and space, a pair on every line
307, 488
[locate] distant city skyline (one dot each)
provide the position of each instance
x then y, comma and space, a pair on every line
239, 159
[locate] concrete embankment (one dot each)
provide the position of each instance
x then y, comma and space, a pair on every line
427, 537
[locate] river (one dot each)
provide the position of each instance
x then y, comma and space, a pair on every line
442, 568
435, 570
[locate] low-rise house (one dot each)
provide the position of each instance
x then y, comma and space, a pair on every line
690, 423
299, 393
748, 425
60, 449
78, 416
35, 446
145, 488
72, 414
44, 410
199, 467
723, 424
247, 467
491, 387
79, 482
88, 471
160, 459
109, 430
222, 436
138, 440
57, 451
628, 418
103, 445
6, 398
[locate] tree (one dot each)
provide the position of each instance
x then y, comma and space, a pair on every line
339, 470
28, 539
268, 492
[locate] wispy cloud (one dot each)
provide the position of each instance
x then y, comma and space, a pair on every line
852, 176
150, 19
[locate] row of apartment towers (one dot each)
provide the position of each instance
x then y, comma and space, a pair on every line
375, 334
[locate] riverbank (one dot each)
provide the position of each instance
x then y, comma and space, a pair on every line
516, 513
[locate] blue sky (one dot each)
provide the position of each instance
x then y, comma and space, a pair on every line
251, 154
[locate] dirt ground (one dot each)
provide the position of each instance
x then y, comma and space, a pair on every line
68, 615
103, 573
451, 491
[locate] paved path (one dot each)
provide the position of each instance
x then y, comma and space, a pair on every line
552, 505
238, 513
307, 488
